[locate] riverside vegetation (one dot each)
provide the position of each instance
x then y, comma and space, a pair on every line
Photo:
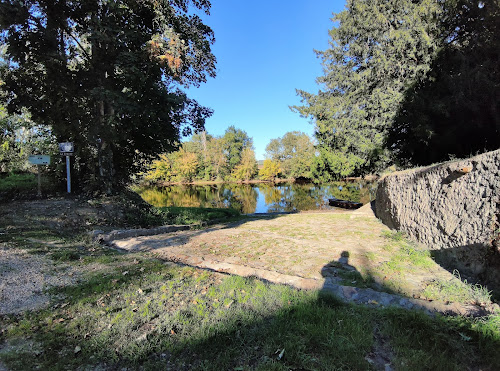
134, 310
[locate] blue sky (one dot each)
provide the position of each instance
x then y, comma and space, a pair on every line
264, 51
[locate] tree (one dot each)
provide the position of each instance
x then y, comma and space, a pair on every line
456, 110
377, 50
21, 137
270, 170
235, 141
161, 169
217, 158
186, 165
295, 153
107, 75
329, 166
247, 168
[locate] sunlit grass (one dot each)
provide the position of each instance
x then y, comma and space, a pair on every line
457, 290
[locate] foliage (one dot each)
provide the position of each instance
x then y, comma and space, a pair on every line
161, 169
247, 168
234, 142
205, 157
21, 137
195, 215
377, 50
455, 111
187, 165
107, 75
18, 182
329, 166
270, 170
294, 152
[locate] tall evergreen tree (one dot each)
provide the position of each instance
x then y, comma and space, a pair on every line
377, 50
456, 111
107, 75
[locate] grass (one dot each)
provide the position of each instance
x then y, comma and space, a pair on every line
196, 215
457, 290
134, 311
139, 312
18, 182
406, 255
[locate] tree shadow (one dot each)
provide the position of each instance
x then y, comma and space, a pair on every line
257, 326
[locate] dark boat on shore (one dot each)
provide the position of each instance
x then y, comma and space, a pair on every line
344, 203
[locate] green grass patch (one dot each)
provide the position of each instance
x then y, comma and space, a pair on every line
196, 215
158, 315
407, 256
442, 343
457, 290
18, 182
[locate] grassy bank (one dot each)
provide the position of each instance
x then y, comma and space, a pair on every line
134, 311
196, 215
138, 312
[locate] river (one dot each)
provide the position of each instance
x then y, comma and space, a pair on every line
258, 198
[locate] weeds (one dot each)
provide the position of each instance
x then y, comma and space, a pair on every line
457, 290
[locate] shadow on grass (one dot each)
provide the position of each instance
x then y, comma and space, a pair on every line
161, 317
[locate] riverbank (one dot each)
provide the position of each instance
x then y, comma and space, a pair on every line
367, 178
134, 310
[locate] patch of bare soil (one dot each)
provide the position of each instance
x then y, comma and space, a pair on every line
25, 277
341, 246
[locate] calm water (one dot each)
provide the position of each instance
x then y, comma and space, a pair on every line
259, 198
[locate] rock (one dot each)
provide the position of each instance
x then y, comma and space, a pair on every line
451, 208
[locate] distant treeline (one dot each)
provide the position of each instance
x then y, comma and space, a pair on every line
231, 158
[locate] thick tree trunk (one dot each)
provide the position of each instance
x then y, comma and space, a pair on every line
105, 151
105, 111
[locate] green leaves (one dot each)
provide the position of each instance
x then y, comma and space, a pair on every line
108, 76
294, 152
377, 50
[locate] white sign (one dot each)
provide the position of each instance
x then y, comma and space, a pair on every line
66, 147
39, 159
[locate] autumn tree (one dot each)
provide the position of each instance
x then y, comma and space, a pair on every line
217, 158
270, 170
108, 75
377, 50
247, 168
186, 165
161, 169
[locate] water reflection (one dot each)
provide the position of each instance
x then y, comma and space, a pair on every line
259, 198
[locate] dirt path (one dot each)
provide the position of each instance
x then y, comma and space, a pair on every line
346, 253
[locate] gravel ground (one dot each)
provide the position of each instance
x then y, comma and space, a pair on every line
24, 277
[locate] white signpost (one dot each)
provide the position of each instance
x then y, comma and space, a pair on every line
67, 149
39, 160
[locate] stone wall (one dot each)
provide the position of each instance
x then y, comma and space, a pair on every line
453, 208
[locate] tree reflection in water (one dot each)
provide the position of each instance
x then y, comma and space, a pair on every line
259, 198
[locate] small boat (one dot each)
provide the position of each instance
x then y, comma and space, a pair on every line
344, 203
